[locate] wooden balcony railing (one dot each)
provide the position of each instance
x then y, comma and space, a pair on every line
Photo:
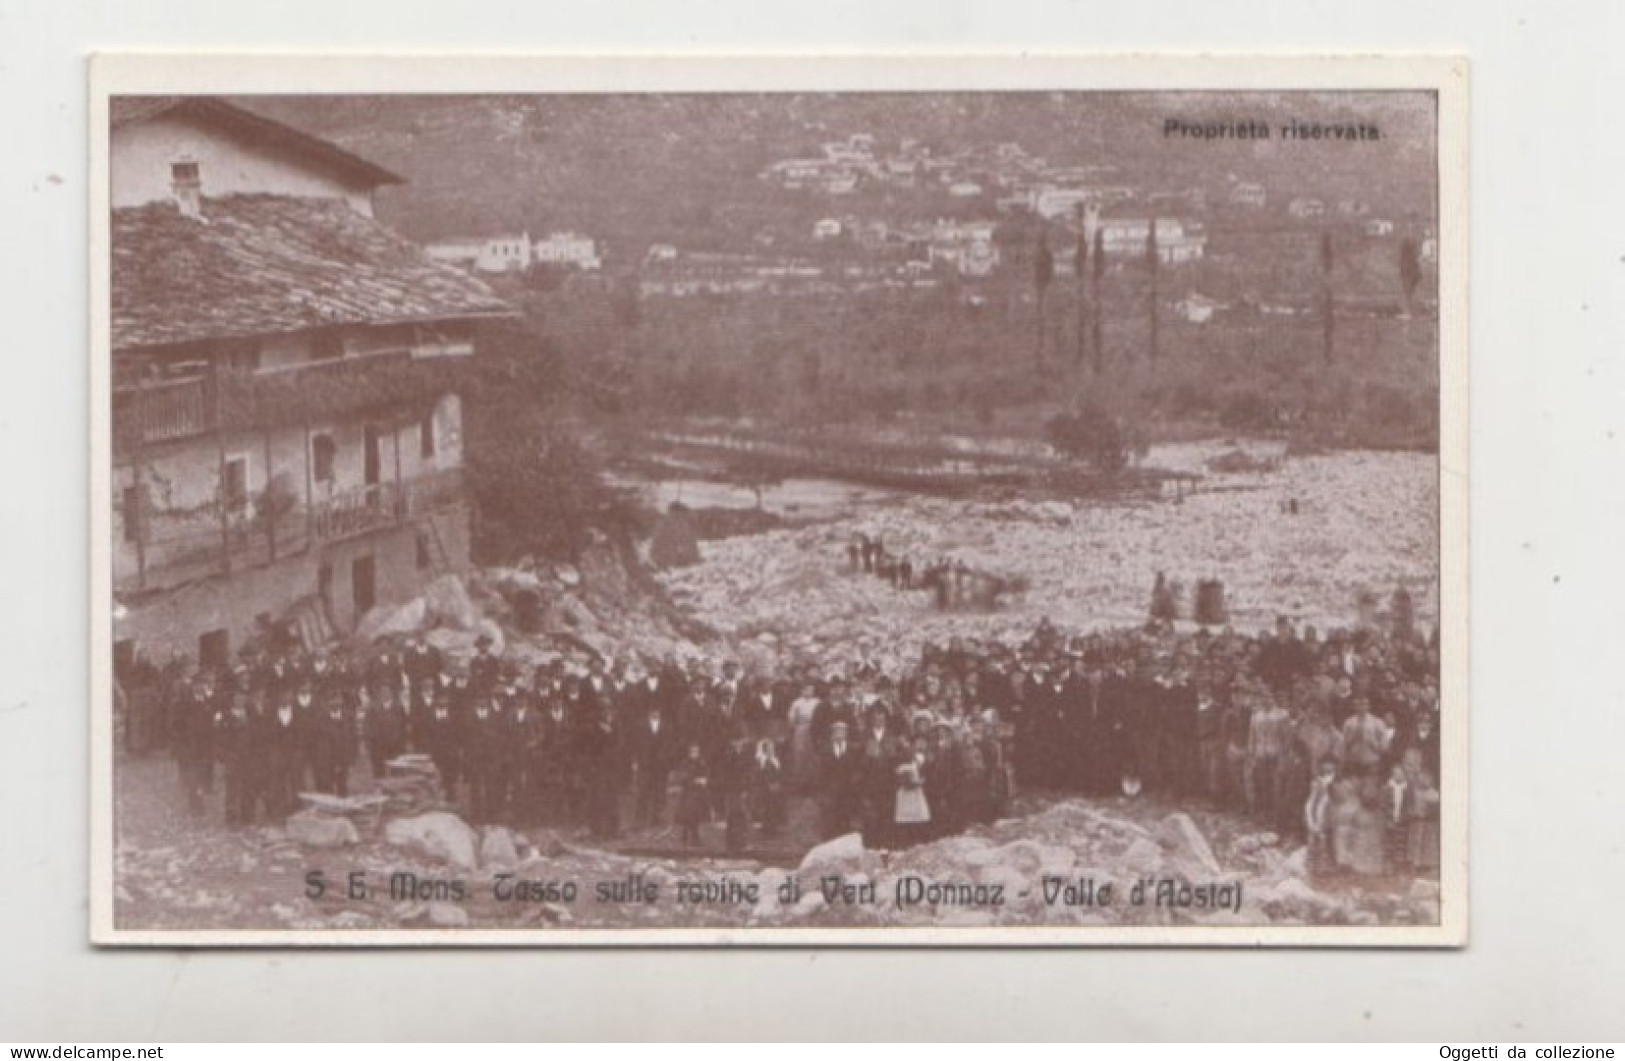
213, 540
162, 412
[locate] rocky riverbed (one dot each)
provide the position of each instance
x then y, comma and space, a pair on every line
1306, 537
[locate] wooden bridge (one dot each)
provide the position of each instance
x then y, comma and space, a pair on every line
915, 467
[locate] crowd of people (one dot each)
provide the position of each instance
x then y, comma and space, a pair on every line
1330, 740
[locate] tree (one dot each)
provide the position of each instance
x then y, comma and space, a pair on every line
1097, 319
1153, 263
1090, 434
1043, 274
1410, 270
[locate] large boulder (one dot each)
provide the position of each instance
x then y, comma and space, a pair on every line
446, 915
834, 854
393, 620
1188, 849
768, 883
438, 834
1033, 859
314, 829
457, 644
448, 604
1143, 856
497, 849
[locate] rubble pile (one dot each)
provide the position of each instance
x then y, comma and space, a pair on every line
411, 785
537, 613
1363, 524
606, 604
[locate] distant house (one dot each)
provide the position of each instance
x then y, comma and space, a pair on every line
287, 432
1249, 194
1379, 227
1352, 208
965, 189
871, 234
660, 252
485, 254
1055, 203
1304, 208
827, 228
570, 250
1177, 243
965, 246
1196, 309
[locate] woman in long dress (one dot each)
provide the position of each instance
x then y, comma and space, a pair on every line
911, 816
803, 759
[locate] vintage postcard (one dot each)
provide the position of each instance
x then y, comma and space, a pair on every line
906, 501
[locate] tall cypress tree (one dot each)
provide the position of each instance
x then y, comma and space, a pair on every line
1097, 319
1043, 274
1080, 263
1154, 264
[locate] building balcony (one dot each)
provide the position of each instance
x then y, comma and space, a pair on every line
163, 550
159, 411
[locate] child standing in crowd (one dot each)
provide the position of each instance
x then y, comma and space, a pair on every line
694, 796
911, 814
767, 789
1317, 818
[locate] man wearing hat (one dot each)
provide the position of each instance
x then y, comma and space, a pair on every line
333, 742
839, 775
194, 741
485, 669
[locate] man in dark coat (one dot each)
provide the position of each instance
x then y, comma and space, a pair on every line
486, 741
654, 751
241, 759
385, 727
524, 768
839, 765
879, 750
334, 743
194, 741
285, 740
600, 750
441, 737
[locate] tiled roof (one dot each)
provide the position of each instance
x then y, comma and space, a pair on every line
263, 132
267, 264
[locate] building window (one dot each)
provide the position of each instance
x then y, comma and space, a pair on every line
322, 455
363, 588
426, 436
185, 173
234, 484
425, 555
214, 650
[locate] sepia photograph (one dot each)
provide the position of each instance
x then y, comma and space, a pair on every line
743, 509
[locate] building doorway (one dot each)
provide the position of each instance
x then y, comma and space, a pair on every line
214, 650
372, 455
363, 587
